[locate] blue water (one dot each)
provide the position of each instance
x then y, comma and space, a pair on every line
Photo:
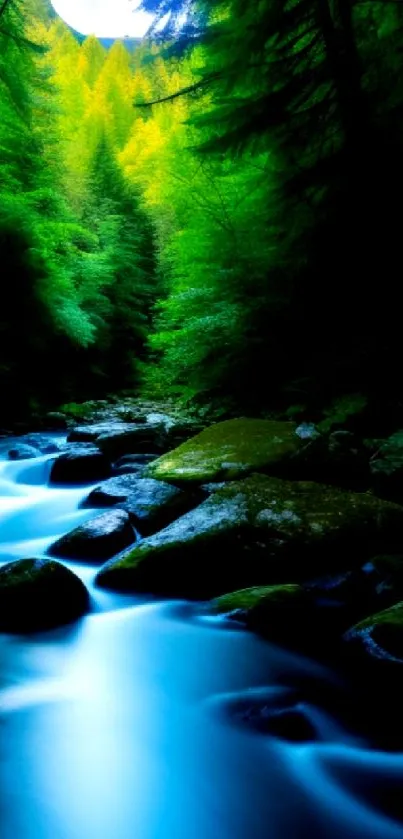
120, 726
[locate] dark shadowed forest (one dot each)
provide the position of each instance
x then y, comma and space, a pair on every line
235, 247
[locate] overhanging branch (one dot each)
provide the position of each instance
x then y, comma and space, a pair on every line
182, 92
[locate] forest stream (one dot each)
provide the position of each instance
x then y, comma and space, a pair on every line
120, 725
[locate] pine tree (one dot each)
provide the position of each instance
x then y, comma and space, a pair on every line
125, 236
314, 85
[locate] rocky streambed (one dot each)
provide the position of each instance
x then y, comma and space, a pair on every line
235, 520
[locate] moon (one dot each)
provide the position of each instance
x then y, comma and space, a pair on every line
104, 18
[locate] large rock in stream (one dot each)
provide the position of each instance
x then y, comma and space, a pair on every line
132, 438
281, 613
38, 594
89, 433
113, 491
23, 451
379, 638
230, 450
84, 464
157, 432
97, 539
150, 504
258, 531
133, 464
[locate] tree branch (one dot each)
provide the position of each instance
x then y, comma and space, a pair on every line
190, 89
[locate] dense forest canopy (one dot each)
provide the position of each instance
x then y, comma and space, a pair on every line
236, 243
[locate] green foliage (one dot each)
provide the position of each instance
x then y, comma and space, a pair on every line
316, 88
342, 410
217, 248
125, 235
76, 249
77, 410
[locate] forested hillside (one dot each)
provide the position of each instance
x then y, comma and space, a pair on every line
236, 245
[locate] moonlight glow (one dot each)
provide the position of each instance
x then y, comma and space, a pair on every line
104, 18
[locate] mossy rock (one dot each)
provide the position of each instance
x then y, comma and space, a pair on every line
281, 613
38, 594
229, 450
245, 599
259, 531
380, 636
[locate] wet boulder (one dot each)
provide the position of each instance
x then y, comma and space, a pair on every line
259, 531
133, 438
80, 465
154, 504
97, 539
230, 450
151, 504
133, 464
311, 615
22, 451
284, 614
89, 433
39, 594
378, 639
113, 491
263, 608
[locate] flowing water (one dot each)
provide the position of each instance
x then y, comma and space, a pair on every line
123, 725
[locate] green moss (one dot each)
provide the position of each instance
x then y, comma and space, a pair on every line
228, 450
247, 598
386, 629
307, 509
390, 617
258, 531
26, 571
296, 412
342, 410
83, 410
38, 594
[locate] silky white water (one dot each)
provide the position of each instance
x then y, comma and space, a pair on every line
121, 726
